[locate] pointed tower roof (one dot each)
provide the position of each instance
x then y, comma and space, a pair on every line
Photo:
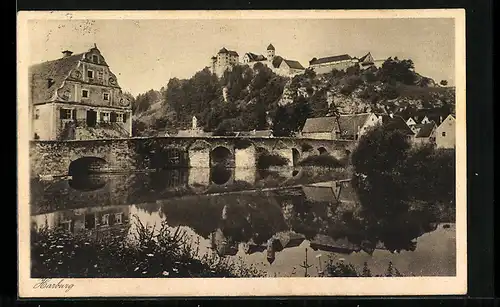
223, 50
270, 47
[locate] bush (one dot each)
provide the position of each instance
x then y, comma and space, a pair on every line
306, 147
321, 160
266, 159
157, 253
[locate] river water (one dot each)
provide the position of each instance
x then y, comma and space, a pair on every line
273, 220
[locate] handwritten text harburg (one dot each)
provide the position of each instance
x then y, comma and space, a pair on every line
46, 283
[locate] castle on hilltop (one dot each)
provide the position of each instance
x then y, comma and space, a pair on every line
227, 59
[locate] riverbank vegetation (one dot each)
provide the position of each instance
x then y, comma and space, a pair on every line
151, 253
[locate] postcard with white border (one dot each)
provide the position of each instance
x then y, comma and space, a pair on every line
241, 153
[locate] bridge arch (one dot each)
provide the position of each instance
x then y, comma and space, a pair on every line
221, 155
86, 166
322, 150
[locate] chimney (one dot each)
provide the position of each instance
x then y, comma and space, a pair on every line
67, 53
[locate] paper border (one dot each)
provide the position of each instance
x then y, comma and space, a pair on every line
373, 286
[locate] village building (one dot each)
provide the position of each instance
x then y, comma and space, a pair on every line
396, 122
425, 115
77, 97
445, 133
424, 133
345, 126
224, 60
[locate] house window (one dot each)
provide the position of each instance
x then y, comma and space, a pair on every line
37, 113
105, 96
105, 220
95, 59
118, 218
66, 225
85, 93
90, 74
105, 117
99, 75
443, 134
67, 114
119, 117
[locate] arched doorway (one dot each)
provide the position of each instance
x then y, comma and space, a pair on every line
322, 151
295, 156
86, 166
221, 156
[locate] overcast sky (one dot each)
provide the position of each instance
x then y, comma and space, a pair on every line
145, 54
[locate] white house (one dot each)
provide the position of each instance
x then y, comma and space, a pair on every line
445, 133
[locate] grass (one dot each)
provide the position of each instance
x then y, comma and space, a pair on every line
159, 252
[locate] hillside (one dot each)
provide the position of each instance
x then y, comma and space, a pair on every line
249, 98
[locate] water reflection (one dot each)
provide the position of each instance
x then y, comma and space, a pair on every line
87, 182
269, 228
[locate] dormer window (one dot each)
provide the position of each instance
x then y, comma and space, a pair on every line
95, 59
90, 74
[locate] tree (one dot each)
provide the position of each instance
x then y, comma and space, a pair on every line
395, 70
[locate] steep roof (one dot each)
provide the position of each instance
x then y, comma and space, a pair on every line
56, 71
319, 194
366, 59
230, 52
330, 59
425, 130
270, 47
327, 243
277, 61
293, 64
320, 124
396, 122
255, 57
349, 124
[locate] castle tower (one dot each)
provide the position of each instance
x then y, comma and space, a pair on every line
270, 52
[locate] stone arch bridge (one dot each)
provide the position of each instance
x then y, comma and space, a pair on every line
60, 158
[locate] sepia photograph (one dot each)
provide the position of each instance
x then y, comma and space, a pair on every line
241, 153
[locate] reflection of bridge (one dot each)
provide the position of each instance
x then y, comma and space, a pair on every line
65, 157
